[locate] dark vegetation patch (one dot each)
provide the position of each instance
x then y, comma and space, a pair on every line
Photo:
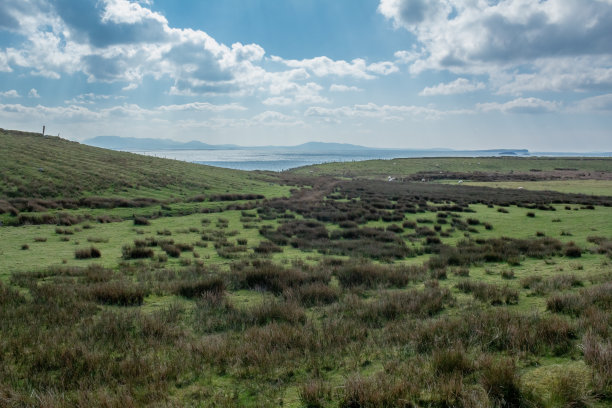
489, 293
470, 252
87, 253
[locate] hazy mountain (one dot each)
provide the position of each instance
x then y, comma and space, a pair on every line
134, 143
145, 144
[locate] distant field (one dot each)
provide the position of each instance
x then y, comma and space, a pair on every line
236, 289
406, 167
594, 187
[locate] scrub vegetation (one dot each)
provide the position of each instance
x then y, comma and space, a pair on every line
135, 281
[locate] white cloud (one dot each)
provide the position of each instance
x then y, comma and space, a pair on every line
294, 93
128, 112
600, 103
458, 86
201, 106
33, 93
374, 111
517, 42
344, 88
278, 100
325, 66
10, 94
521, 105
126, 12
125, 41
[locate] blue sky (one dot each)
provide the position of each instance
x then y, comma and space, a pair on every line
464, 74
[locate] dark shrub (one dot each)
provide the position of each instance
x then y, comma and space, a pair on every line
409, 224
531, 214
598, 354
274, 311
184, 247
136, 252
268, 276
379, 391
370, 275
572, 250
117, 293
86, 253
25, 247
500, 379
438, 274
507, 274
314, 294
395, 228
450, 361
141, 221
267, 247
489, 293
172, 250
315, 394
463, 272
200, 288
567, 303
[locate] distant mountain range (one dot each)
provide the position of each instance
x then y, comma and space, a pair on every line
134, 143
147, 144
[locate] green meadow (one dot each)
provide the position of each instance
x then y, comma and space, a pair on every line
135, 281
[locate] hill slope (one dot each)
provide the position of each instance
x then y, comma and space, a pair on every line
34, 166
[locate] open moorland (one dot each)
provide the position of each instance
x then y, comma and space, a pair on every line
128, 280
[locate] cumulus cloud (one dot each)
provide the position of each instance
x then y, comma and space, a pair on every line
521, 105
295, 93
10, 94
201, 106
325, 66
33, 93
534, 43
344, 88
125, 41
75, 112
374, 111
600, 103
458, 86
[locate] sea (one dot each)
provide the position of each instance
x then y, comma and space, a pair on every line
272, 159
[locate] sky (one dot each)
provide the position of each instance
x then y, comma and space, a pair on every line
461, 74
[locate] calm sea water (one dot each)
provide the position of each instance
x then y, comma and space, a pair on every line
279, 159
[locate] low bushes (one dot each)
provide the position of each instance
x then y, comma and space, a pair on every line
489, 293
136, 252
117, 293
314, 294
371, 275
141, 221
87, 253
201, 287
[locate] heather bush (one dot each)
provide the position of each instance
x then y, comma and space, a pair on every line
141, 221
136, 252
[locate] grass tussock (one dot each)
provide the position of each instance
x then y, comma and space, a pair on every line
87, 253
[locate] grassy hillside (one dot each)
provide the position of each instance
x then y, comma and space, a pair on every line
34, 166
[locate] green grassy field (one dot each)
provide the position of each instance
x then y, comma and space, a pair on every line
327, 293
593, 187
405, 167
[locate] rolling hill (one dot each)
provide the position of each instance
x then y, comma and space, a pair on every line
37, 166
